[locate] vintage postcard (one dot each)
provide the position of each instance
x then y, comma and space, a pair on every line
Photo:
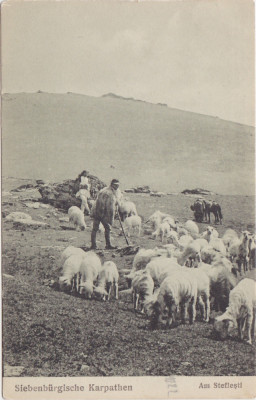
128, 199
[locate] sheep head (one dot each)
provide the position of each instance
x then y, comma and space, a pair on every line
100, 293
64, 284
222, 325
86, 288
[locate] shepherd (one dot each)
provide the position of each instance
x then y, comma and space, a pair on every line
104, 211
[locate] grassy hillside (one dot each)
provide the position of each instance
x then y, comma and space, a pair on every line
55, 136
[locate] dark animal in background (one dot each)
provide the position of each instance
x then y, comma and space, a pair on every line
212, 207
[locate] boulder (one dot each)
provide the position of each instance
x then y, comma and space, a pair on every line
197, 191
62, 195
142, 189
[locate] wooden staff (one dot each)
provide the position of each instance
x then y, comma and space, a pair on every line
122, 228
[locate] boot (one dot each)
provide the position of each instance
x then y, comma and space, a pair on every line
108, 244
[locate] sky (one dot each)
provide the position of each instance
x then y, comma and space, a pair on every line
195, 55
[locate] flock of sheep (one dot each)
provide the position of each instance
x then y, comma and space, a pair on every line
189, 274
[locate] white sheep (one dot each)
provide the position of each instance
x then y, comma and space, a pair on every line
69, 281
181, 230
171, 221
142, 288
210, 233
244, 250
229, 236
144, 256
240, 311
76, 216
89, 270
221, 282
203, 290
163, 231
160, 267
131, 224
191, 251
184, 241
69, 251
192, 228
127, 209
173, 237
157, 218
108, 278
218, 245
175, 292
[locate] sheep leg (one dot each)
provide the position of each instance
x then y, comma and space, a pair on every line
239, 326
249, 327
169, 318
136, 301
202, 306
116, 290
208, 308
183, 312
192, 311
109, 291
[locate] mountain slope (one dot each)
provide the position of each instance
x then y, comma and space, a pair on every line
55, 136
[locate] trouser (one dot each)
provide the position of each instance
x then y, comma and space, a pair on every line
107, 227
84, 205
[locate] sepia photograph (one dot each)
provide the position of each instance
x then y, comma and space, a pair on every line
128, 199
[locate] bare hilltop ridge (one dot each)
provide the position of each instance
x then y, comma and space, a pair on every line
53, 136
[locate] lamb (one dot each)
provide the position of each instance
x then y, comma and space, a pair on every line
76, 216
175, 291
142, 288
69, 280
127, 209
89, 270
108, 278
241, 311
132, 223
163, 231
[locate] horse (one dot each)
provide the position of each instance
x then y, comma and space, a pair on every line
214, 207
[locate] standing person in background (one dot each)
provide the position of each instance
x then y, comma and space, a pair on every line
84, 191
104, 211
84, 181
